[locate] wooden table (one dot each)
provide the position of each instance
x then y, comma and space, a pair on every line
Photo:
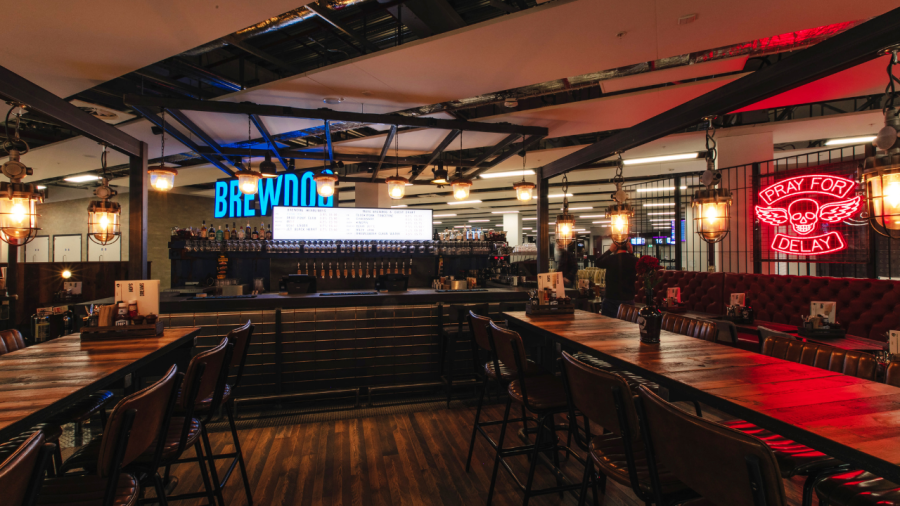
42, 380
855, 420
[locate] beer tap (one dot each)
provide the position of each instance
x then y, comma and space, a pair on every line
323, 268
381, 271
396, 267
345, 270
360, 269
353, 270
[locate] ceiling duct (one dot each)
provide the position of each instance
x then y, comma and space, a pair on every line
270, 25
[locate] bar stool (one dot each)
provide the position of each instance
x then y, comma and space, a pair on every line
22, 468
135, 427
544, 397
724, 466
482, 341
605, 399
451, 336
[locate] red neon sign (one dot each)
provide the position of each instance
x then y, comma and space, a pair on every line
804, 213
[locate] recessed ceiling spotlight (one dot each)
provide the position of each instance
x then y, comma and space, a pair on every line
333, 100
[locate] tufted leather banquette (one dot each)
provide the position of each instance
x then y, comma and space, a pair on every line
865, 307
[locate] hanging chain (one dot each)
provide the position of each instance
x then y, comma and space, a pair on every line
620, 166
711, 151
249, 150
890, 91
397, 150
163, 146
565, 190
523, 158
103, 160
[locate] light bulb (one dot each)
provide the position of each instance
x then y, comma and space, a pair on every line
711, 214
17, 213
523, 194
892, 193
66, 274
162, 184
104, 221
325, 190
460, 194
396, 192
564, 229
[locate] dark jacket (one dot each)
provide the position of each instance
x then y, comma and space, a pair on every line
568, 266
620, 274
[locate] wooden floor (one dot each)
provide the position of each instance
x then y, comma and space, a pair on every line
404, 459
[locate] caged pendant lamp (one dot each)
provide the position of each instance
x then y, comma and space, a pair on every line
524, 189
881, 173
104, 217
620, 213
162, 178
18, 200
712, 206
396, 184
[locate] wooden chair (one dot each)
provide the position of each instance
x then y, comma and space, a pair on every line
724, 466
453, 337
628, 313
22, 468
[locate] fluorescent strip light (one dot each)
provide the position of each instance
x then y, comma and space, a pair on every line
504, 212
664, 204
436, 222
578, 208
463, 226
527, 228
458, 202
556, 196
41, 187
552, 223
523, 219
592, 216
665, 212
441, 215
607, 221
651, 221
664, 158
479, 221
401, 205
850, 140
81, 179
663, 189
513, 173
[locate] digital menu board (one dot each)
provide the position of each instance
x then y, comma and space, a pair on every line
351, 223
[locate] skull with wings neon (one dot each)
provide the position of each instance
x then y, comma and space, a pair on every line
804, 214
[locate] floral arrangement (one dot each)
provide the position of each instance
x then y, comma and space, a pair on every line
648, 268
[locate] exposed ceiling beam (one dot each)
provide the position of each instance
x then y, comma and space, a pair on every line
202, 74
491, 152
263, 55
261, 128
16, 88
171, 84
526, 143
437, 152
245, 108
850, 48
173, 132
350, 179
328, 144
297, 154
503, 6
438, 15
203, 136
384, 150
329, 17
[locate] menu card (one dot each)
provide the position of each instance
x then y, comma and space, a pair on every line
737, 299
674, 294
823, 308
554, 281
893, 341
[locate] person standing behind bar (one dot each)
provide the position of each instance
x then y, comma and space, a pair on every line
567, 264
619, 263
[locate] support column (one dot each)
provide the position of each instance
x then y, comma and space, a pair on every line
371, 195
138, 185
512, 225
679, 260
542, 227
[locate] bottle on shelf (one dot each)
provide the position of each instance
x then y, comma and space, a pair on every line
211, 232
203, 230
174, 231
227, 235
219, 234
247, 232
255, 234
240, 233
269, 232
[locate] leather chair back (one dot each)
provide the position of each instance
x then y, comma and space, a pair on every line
20, 470
851, 363
206, 379
592, 391
711, 459
478, 326
239, 339
701, 329
628, 313
150, 408
10, 340
509, 350
892, 374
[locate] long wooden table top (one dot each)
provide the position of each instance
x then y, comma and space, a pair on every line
852, 419
42, 380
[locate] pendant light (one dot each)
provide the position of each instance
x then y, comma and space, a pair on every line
325, 181
881, 173
460, 184
162, 178
712, 206
620, 213
440, 173
18, 200
267, 168
248, 180
565, 222
104, 217
396, 184
523, 188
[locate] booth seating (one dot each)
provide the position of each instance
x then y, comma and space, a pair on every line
865, 307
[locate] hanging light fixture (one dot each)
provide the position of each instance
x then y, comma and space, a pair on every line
104, 223
396, 184
620, 213
565, 222
881, 173
440, 173
326, 180
267, 168
162, 178
248, 179
460, 184
712, 206
18, 200
523, 188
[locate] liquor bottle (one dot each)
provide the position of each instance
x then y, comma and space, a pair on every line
241, 236
211, 233
203, 230
255, 234
298, 265
219, 234
227, 235
269, 232
248, 234
234, 231
307, 267
262, 231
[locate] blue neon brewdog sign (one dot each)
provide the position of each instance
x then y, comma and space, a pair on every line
288, 189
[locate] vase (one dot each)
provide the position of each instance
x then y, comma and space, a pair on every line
650, 322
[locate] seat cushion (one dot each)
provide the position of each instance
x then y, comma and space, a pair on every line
87, 491
608, 452
793, 458
545, 392
633, 379
86, 456
85, 408
52, 432
531, 369
858, 488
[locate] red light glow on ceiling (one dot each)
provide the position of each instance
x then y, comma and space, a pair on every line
805, 210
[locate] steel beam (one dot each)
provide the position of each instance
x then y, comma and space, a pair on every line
327, 114
257, 122
171, 84
328, 16
850, 48
196, 130
526, 143
384, 150
178, 136
263, 55
202, 74
491, 152
328, 143
437, 152
16, 88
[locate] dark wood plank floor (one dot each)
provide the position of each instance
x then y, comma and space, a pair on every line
403, 459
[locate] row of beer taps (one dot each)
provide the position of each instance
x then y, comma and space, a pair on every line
350, 270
